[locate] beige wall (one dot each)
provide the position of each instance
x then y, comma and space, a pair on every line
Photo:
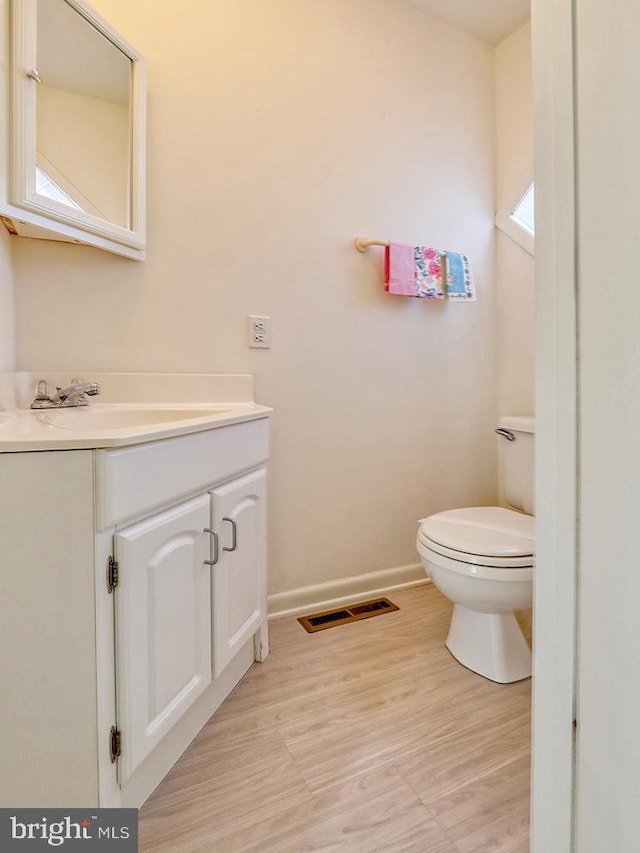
277, 133
514, 265
7, 352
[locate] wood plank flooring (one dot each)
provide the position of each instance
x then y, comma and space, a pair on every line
364, 737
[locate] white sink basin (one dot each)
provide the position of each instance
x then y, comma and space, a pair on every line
89, 419
133, 408
116, 424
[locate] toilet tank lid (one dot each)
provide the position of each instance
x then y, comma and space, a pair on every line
519, 423
484, 531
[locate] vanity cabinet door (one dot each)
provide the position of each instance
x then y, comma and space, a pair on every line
163, 625
239, 578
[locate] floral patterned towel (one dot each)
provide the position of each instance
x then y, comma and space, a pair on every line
430, 282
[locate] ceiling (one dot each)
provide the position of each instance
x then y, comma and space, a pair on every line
489, 20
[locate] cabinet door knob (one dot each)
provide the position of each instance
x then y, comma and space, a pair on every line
213, 547
234, 534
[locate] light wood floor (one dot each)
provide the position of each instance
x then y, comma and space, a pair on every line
364, 737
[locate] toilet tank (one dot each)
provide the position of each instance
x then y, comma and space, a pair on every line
517, 462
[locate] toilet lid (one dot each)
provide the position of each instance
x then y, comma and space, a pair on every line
487, 531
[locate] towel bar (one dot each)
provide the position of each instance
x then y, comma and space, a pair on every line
363, 243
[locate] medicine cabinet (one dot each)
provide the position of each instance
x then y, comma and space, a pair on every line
74, 109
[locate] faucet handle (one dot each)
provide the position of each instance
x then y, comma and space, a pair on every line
44, 391
45, 396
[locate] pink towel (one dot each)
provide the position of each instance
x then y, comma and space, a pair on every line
400, 270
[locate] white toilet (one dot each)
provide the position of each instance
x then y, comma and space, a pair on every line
482, 559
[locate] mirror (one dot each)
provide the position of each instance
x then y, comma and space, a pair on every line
82, 108
77, 135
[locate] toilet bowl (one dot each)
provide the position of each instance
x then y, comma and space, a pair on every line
482, 559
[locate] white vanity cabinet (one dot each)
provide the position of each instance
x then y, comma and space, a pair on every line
191, 592
163, 624
239, 574
134, 600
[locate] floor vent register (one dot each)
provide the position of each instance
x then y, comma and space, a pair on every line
362, 610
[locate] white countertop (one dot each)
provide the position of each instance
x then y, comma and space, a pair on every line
133, 408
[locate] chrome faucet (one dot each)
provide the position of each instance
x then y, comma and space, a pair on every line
72, 395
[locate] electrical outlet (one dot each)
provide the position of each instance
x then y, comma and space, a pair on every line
259, 332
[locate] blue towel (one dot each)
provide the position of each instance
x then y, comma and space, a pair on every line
458, 277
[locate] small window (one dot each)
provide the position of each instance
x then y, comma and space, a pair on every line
523, 215
517, 219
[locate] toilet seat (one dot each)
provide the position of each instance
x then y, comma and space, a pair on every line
491, 537
506, 572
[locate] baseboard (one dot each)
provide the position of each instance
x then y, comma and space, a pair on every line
345, 590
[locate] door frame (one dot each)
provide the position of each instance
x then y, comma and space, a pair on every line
557, 423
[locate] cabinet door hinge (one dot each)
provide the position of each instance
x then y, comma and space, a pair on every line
112, 574
115, 744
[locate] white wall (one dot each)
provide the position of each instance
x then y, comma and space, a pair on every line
7, 349
608, 651
514, 265
278, 132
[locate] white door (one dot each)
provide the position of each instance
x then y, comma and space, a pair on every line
557, 512
239, 589
163, 625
